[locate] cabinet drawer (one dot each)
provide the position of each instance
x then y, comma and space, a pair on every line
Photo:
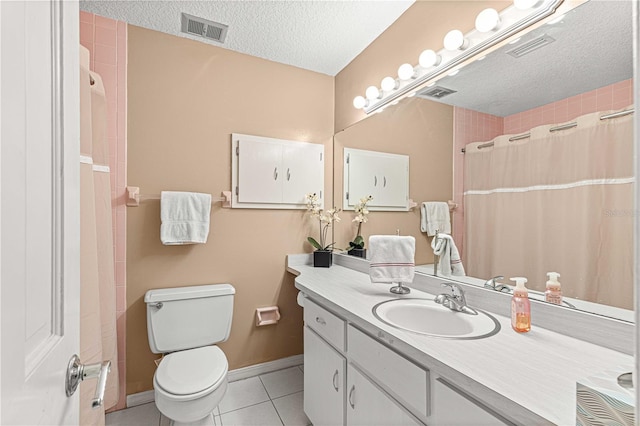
405, 380
453, 407
327, 325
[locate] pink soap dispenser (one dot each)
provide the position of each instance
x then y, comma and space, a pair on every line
554, 291
520, 306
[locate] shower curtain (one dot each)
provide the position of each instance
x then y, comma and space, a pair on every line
559, 201
98, 340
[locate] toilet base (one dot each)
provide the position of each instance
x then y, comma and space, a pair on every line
207, 421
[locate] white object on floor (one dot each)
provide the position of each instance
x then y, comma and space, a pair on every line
191, 381
185, 217
449, 259
392, 258
435, 216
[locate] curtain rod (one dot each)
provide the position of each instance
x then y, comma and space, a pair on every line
560, 127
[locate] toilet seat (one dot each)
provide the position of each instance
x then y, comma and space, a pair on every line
191, 372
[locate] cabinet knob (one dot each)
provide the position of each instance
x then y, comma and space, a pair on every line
375, 181
275, 174
335, 380
321, 321
288, 174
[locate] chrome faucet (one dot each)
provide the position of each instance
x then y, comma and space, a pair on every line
454, 300
491, 283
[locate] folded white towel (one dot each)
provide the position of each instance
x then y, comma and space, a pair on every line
449, 262
185, 217
434, 216
392, 258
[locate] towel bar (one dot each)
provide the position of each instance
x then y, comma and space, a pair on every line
134, 197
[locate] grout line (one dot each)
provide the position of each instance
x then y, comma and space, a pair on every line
242, 408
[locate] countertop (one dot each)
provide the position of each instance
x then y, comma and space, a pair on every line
530, 377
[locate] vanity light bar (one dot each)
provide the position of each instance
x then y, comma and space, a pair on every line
459, 48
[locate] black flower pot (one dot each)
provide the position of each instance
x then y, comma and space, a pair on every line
358, 252
322, 258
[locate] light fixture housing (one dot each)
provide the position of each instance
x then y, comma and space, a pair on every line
406, 72
429, 58
455, 40
360, 102
487, 20
388, 84
372, 93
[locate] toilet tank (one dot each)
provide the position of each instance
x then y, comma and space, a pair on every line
188, 317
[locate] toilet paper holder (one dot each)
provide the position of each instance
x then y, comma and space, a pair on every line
267, 316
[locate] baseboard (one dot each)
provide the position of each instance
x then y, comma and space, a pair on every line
140, 398
232, 376
265, 367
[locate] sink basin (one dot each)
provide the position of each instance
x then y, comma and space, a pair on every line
424, 316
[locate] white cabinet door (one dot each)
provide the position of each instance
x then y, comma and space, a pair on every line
369, 406
272, 173
383, 176
324, 381
451, 407
303, 171
260, 171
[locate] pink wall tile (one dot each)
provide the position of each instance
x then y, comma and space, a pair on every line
106, 40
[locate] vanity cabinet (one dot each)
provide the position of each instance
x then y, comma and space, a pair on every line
275, 173
382, 175
351, 378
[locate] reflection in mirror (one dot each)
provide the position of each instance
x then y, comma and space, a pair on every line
560, 72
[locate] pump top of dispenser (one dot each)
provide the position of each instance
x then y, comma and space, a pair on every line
553, 280
520, 289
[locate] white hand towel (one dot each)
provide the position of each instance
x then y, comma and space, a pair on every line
392, 258
185, 217
449, 259
434, 216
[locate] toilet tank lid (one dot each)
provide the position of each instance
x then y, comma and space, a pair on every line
190, 292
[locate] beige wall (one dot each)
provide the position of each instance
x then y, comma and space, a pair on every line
422, 26
416, 127
185, 98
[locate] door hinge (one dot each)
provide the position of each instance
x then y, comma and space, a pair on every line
321, 195
348, 155
237, 191
347, 196
320, 156
238, 150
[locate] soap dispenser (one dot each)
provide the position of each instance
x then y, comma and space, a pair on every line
554, 291
520, 306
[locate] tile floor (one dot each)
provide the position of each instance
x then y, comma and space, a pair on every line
271, 399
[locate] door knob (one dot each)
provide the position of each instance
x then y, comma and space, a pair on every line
77, 372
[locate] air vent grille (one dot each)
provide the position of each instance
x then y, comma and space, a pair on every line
437, 92
530, 46
204, 28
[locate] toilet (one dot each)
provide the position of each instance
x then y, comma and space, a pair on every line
185, 323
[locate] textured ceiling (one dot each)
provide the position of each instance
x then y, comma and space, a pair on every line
322, 36
593, 48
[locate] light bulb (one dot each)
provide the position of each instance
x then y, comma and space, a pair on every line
452, 73
454, 40
359, 102
406, 72
388, 84
372, 93
429, 58
525, 4
487, 20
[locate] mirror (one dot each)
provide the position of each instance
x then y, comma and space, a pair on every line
589, 48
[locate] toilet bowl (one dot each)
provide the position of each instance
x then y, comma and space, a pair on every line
185, 323
189, 385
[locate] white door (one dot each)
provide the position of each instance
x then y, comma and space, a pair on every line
303, 168
39, 209
260, 171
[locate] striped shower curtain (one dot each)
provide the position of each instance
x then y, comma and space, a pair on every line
98, 340
559, 201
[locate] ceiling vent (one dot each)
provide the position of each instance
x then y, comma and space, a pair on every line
437, 92
203, 28
530, 46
